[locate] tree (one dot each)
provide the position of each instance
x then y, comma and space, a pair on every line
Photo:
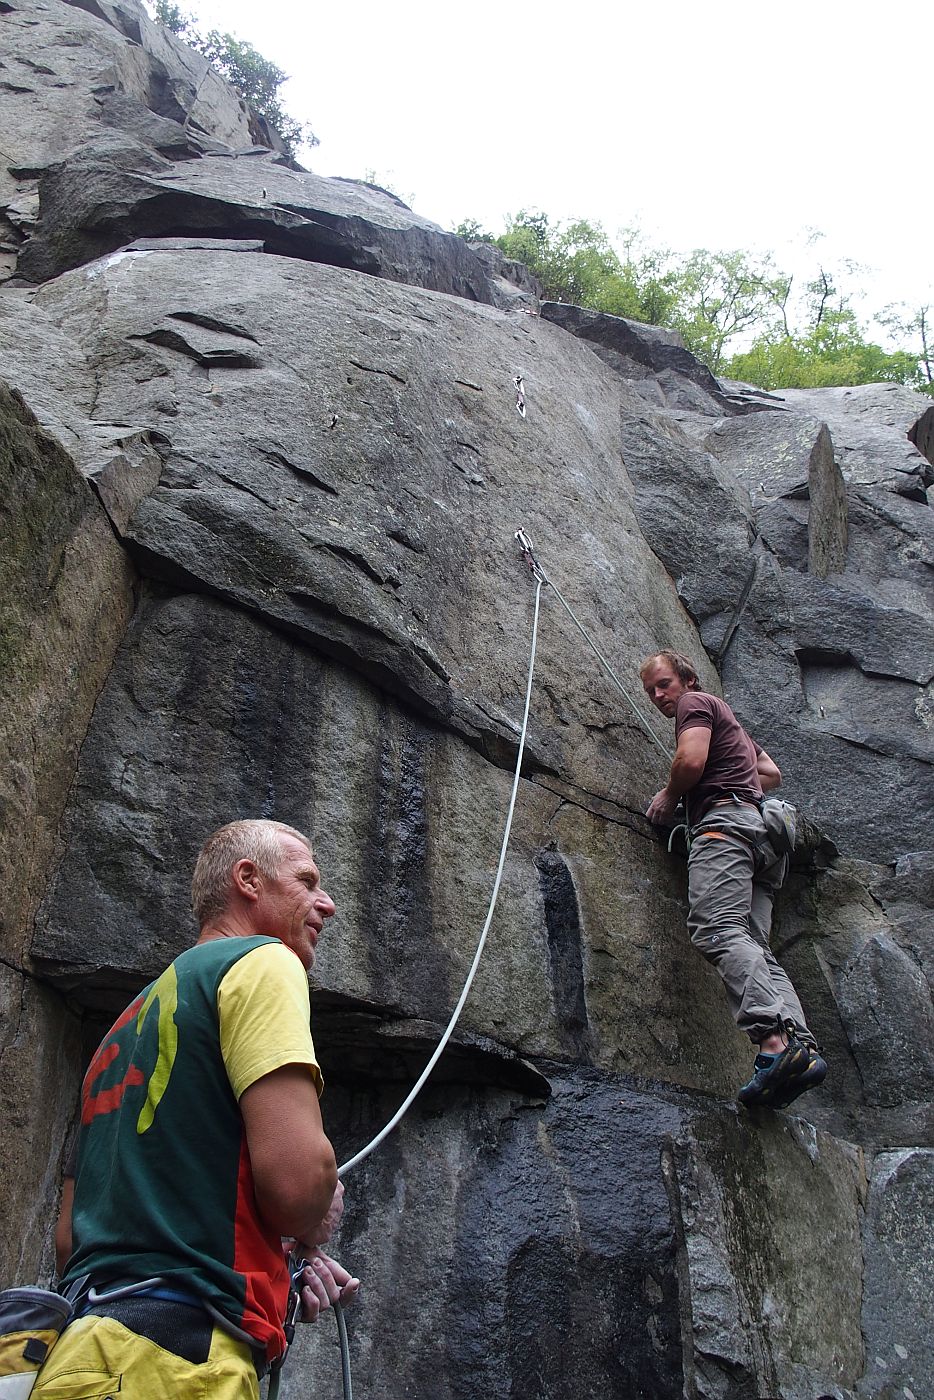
813, 362
473, 232
916, 326
719, 296
172, 17
255, 78
830, 349
576, 263
804, 339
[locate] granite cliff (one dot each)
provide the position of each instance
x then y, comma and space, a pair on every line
262, 468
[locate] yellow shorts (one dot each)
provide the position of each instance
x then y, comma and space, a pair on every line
97, 1358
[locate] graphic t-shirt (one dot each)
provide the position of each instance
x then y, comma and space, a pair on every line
731, 760
164, 1184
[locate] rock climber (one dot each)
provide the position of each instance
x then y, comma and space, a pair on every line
720, 774
201, 1148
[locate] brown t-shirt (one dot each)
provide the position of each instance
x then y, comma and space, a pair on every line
731, 761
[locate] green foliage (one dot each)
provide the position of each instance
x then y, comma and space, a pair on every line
809, 362
255, 78
721, 295
716, 298
831, 349
172, 17
471, 230
576, 262
914, 326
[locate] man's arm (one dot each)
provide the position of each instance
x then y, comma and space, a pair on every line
687, 766
63, 1225
769, 775
294, 1167
295, 1179
323, 1280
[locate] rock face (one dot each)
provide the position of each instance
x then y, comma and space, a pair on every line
67, 597
262, 465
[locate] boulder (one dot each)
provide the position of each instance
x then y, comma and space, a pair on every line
407, 824
611, 1238
114, 190
512, 285
796, 489
348, 523
65, 599
873, 953
748, 535
872, 427
70, 71
746, 1199
634, 350
899, 1278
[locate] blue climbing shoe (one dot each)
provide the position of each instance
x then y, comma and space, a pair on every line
815, 1074
775, 1074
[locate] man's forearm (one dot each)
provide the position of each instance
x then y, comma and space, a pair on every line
683, 776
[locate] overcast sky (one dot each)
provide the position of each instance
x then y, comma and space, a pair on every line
724, 125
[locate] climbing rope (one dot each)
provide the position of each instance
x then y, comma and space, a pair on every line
404, 1107
541, 579
525, 544
439, 1050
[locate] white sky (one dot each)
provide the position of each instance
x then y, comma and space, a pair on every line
722, 125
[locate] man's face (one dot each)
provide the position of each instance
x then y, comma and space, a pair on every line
663, 686
292, 905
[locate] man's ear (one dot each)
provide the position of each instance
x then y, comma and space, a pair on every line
247, 879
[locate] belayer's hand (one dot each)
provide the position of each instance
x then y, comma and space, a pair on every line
323, 1281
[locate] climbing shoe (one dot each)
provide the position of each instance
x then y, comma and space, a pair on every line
775, 1074
815, 1074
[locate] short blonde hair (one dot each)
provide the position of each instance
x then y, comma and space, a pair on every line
256, 840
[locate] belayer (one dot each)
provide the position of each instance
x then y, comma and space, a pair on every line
734, 870
201, 1148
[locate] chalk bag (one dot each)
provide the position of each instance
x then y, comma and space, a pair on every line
781, 823
31, 1320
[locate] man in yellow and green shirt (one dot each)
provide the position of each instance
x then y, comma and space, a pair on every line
201, 1146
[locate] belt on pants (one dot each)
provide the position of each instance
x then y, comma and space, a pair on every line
180, 1327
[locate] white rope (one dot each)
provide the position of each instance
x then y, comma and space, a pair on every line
540, 578
401, 1111
525, 545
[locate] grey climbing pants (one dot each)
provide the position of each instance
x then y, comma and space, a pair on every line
733, 875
